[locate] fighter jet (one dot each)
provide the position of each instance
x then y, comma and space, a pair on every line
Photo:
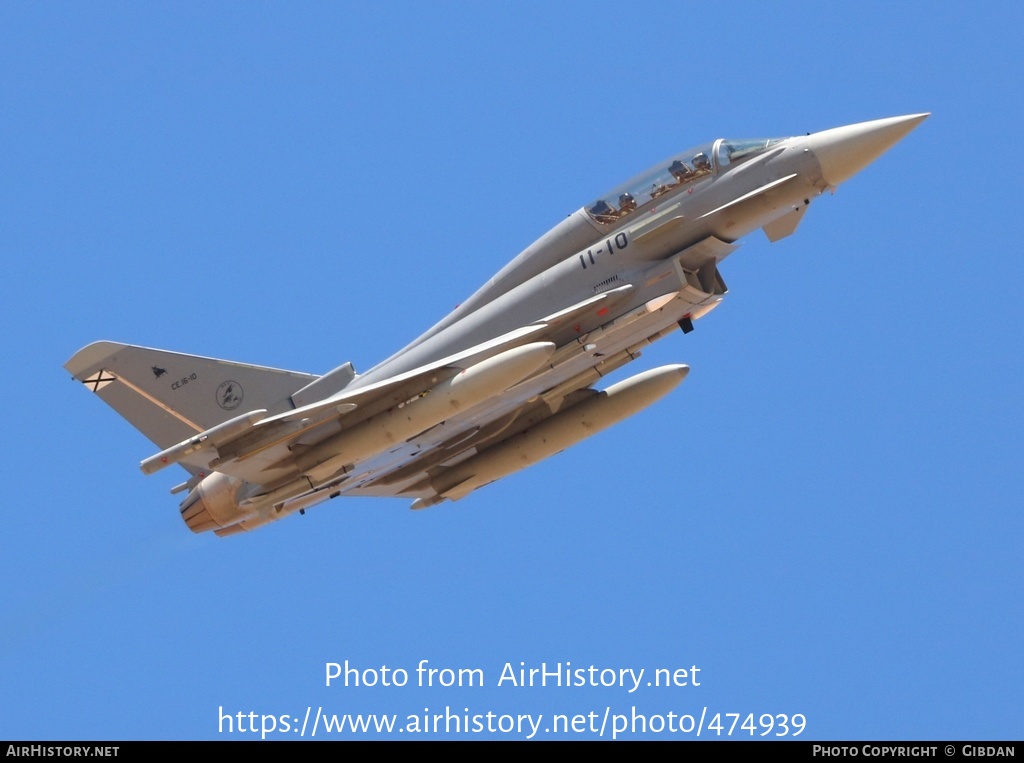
504, 381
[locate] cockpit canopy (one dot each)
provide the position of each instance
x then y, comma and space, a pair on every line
679, 170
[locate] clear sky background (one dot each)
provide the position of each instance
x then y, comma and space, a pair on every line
825, 518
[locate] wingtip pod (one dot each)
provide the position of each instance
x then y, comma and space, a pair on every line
555, 434
204, 440
844, 151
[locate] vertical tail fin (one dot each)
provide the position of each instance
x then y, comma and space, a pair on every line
169, 396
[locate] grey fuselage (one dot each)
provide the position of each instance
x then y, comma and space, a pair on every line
572, 262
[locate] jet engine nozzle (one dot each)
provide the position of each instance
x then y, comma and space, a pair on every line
844, 151
213, 503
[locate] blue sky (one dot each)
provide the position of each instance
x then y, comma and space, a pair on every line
825, 517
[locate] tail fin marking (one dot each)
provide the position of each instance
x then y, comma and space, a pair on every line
170, 396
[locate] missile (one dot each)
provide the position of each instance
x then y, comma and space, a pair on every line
211, 437
555, 434
466, 389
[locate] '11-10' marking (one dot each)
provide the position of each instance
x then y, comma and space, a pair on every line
620, 242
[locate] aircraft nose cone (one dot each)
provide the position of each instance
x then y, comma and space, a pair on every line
844, 151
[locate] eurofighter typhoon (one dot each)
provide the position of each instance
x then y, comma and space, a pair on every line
504, 381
